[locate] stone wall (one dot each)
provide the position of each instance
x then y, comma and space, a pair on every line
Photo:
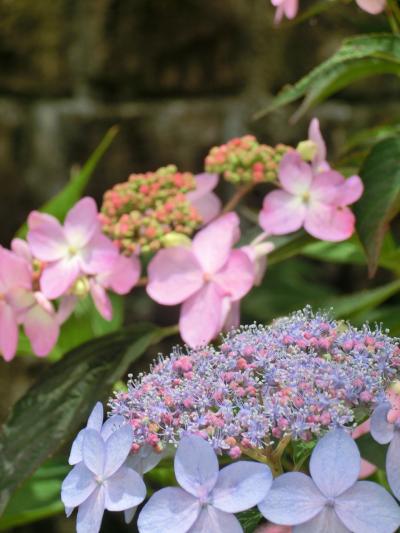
176, 75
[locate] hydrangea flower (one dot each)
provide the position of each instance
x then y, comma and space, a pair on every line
21, 303
373, 7
205, 279
300, 376
207, 498
318, 161
203, 198
101, 481
316, 201
331, 499
385, 428
71, 250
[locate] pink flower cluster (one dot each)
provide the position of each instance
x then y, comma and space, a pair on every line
42, 278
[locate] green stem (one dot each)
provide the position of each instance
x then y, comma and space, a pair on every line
393, 14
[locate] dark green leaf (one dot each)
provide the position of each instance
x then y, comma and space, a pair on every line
249, 520
60, 204
358, 57
381, 199
54, 408
38, 498
372, 451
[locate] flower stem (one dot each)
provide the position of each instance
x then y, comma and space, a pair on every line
393, 14
236, 198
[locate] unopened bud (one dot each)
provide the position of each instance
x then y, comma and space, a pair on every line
172, 239
307, 150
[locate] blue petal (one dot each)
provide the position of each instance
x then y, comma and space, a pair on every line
326, 521
241, 486
118, 447
368, 508
95, 420
77, 486
335, 463
170, 510
90, 513
112, 424
293, 499
125, 489
196, 465
215, 521
381, 430
393, 464
93, 451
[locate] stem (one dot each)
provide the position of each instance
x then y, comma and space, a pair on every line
142, 282
239, 194
393, 14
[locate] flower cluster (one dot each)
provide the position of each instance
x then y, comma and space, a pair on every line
140, 214
42, 278
244, 160
299, 377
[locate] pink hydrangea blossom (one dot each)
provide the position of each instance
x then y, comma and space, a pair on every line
285, 8
205, 279
314, 200
373, 7
78, 247
203, 199
319, 162
20, 303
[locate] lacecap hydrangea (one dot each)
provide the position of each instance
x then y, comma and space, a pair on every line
295, 379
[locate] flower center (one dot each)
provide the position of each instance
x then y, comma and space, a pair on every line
207, 277
305, 197
72, 250
330, 502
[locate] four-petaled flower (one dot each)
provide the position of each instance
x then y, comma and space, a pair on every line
101, 481
205, 278
315, 200
332, 499
207, 498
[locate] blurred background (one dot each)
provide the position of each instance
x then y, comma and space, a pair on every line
176, 76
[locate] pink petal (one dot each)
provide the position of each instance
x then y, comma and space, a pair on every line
273, 528
282, 213
46, 237
58, 277
362, 429
314, 134
209, 206
329, 223
231, 314
8, 331
201, 316
373, 7
174, 275
295, 174
326, 186
350, 191
205, 183
66, 307
212, 245
81, 222
14, 271
98, 255
291, 8
42, 329
101, 300
123, 276
21, 248
367, 469
236, 278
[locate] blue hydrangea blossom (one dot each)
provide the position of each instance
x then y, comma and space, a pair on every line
331, 499
207, 498
101, 480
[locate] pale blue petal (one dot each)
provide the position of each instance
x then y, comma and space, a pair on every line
145, 460
69, 511
241, 486
112, 424
75, 456
124, 489
293, 498
90, 513
393, 464
381, 430
93, 451
77, 486
335, 463
129, 514
118, 447
196, 465
368, 508
326, 521
170, 510
213, 520
95, 420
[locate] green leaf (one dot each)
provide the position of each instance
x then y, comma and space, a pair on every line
288, 246
249, 520
358, 57
372, 451
38, 498
60, 204
351, 305
381, 199
54, 408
